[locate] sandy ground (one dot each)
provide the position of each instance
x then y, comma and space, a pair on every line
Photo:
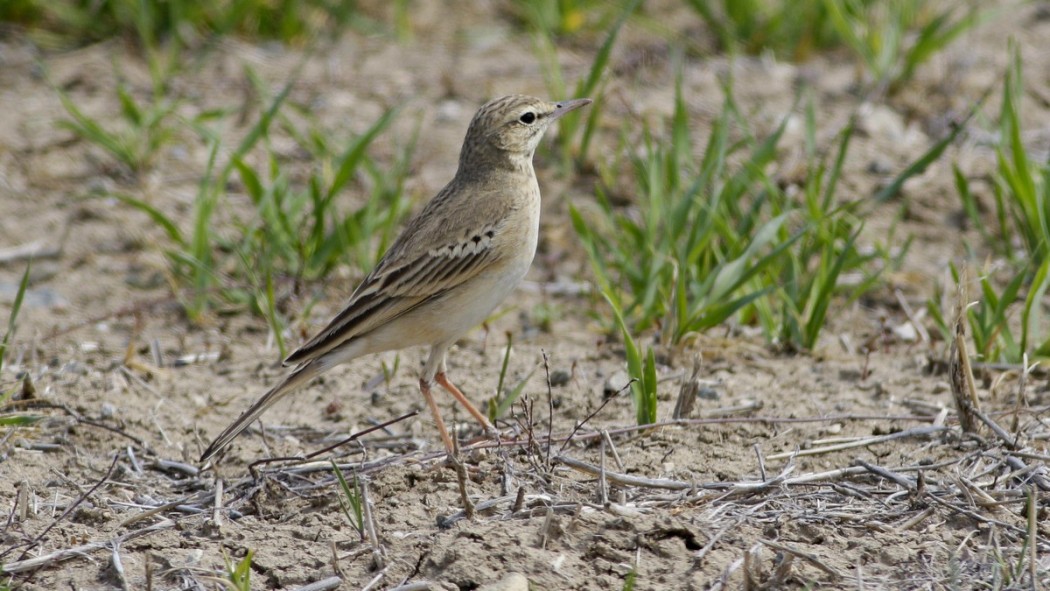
132, 392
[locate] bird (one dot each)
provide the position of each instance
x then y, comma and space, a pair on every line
452, 265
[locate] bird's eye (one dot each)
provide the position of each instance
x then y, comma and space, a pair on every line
528, 117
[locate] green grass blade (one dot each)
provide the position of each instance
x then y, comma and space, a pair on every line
90, 130
19, 421
262, 126
200, 244
350, 502
507, 402
587, 85
649, 385
154, 214
726, 36
1031, 311
736, 272
635, 366
506, 363
710, 316
128, 107
836, 168
936, 35
929, 157
12, 318
351, 159
252, 184
273, 317
824, 289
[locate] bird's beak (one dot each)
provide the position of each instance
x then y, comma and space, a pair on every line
567, 106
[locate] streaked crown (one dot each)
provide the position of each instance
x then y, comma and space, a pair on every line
506, 131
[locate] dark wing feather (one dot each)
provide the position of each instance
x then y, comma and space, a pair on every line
392, 290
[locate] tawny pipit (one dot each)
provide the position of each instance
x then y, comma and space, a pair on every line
451, 266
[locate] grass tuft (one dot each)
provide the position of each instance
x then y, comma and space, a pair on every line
705, 243
351, 501
238, 575
138, 136
1020, 235
889, 38
297, 230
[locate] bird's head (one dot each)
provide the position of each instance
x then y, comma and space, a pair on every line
511, 127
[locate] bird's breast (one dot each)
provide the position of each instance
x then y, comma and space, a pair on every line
523, 229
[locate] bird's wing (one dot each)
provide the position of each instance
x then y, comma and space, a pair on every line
401, 282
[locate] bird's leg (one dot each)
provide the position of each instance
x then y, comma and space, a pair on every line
454, 391
424, 387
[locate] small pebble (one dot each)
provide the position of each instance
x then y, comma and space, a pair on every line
616, 383
560, 377
708, 394
906, 332
510, 582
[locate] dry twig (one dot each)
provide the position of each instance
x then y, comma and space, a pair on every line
322, 585
960, 374
916, 432
688, 392
80, 551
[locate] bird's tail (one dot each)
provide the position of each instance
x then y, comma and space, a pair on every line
297, 378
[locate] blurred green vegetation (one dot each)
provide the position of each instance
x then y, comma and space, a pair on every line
75, 22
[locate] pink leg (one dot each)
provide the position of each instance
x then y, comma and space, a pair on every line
424, 387
454, 391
